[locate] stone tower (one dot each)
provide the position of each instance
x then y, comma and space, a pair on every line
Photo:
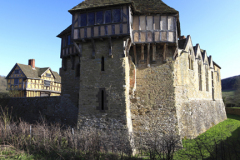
124, 64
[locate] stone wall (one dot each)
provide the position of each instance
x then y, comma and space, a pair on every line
53, 109
113, 82
197, 110
153, 102
69, 78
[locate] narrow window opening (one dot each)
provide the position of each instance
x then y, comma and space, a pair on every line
78, 70
189, 60
206, 74
200, 76
102, 100
102, 64
212, 87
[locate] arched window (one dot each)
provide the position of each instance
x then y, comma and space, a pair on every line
199, 75
206, 75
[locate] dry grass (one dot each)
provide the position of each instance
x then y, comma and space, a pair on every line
44, 141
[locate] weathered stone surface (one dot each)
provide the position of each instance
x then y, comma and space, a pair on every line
53, 109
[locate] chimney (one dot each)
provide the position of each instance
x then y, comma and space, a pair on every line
31, 62
182, 37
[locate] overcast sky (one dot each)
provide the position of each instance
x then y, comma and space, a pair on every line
28, 30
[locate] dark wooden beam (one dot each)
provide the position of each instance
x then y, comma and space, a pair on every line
110, 47
175, 53
148, 54
93, 49
154, 53
164, 52
135, 55
79, 48
142, 52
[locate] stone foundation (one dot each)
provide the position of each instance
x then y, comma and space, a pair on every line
197, 116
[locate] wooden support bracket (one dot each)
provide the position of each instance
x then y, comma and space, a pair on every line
110, 47
142, 53
79, 48
128, 46
164, 52
148, 54
154, 53
135, 55
175, 53
93, 49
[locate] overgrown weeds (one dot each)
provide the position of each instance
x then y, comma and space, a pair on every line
43, 141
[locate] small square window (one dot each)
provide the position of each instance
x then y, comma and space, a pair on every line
83, 20
108, 18
91, 18
48, 75
16, 71
47, 83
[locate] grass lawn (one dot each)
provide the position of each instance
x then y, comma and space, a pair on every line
227, 130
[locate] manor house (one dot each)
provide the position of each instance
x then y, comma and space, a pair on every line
30, 81
125, 61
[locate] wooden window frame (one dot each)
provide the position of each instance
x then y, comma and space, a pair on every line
16, 79
48, 75
47, 83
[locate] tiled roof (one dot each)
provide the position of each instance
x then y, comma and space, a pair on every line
65, 31
37, 72
140, 6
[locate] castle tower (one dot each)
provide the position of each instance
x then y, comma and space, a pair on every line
124, 65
